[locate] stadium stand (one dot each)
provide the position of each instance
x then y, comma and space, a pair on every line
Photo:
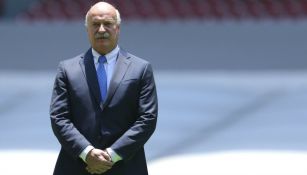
171, 9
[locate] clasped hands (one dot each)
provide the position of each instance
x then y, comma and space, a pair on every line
98, 161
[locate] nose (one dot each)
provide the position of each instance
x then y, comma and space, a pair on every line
101, 28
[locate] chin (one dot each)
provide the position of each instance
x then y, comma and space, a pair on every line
103, 45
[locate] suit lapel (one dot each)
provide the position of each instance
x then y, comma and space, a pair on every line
120, 70
89, 71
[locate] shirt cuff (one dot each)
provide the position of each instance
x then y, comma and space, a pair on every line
114, 156
85, 152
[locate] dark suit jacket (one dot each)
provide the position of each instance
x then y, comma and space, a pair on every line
124, 122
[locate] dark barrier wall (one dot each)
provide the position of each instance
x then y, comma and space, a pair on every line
245, 45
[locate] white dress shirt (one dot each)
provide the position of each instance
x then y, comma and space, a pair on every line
109, 66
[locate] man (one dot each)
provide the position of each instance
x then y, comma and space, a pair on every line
104, 104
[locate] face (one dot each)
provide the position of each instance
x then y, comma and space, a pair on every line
102, 29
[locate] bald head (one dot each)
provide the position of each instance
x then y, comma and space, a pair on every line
105, 7
102, 25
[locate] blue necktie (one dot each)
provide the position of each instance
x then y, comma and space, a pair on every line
102, 77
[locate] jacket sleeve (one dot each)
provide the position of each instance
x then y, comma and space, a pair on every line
137, 135
61, 117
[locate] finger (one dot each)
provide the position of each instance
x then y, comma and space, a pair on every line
103, 168
94, 171
90, 170
106, 155
104, 160
105, 163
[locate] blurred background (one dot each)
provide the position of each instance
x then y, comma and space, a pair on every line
231, 79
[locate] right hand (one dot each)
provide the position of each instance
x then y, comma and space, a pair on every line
98, 161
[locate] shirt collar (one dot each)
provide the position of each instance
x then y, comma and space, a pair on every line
109, 56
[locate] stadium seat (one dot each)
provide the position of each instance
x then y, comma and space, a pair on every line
160, 9
171, 9
291, 8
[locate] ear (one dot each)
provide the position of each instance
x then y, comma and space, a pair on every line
118, 28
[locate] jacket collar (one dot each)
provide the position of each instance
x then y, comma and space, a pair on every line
89, 71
